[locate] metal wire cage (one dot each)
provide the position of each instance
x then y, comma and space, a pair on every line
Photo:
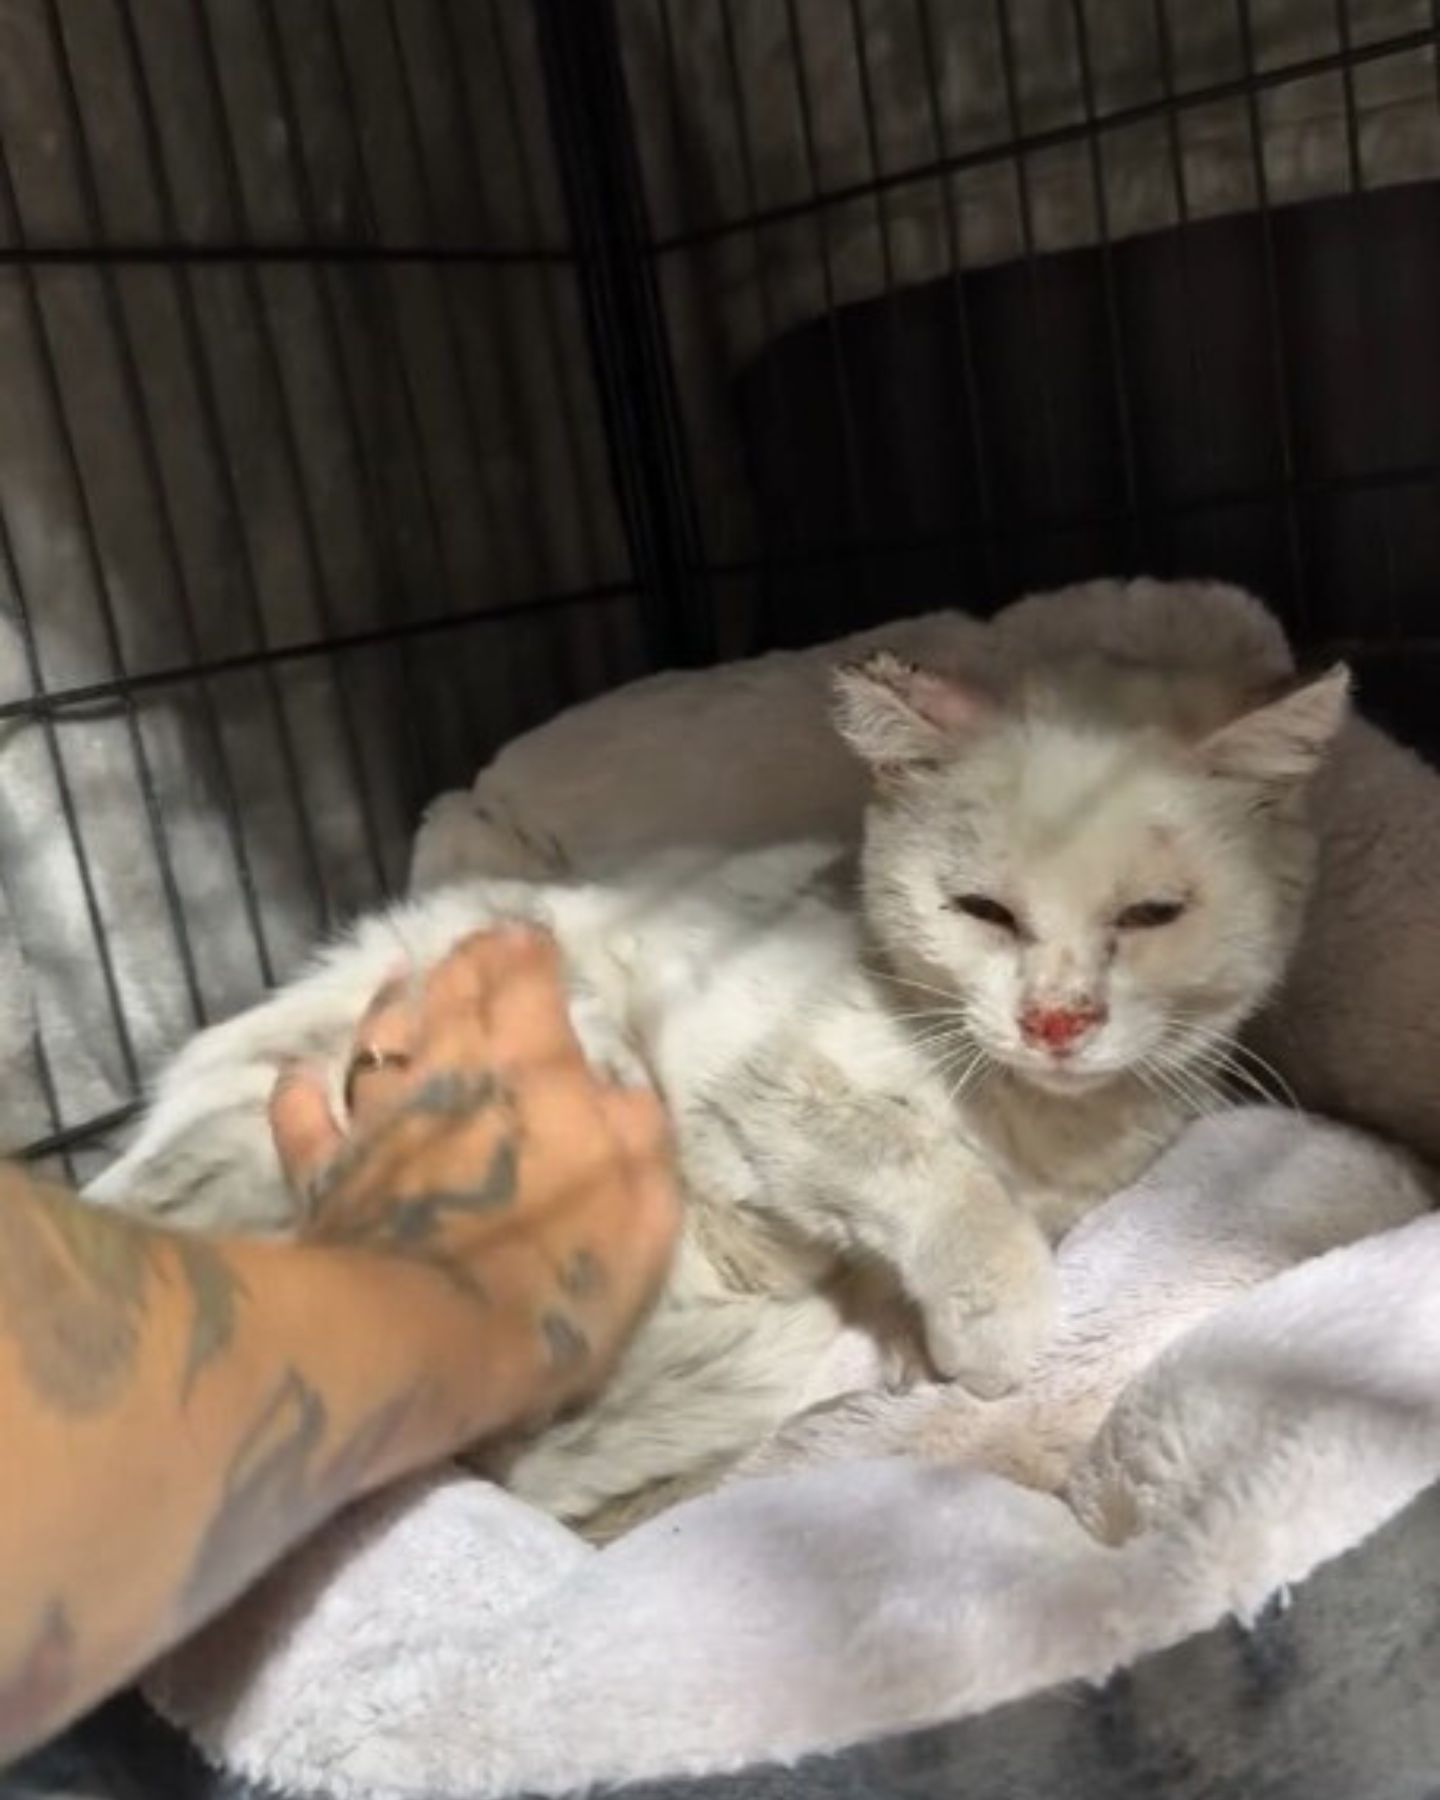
381, 377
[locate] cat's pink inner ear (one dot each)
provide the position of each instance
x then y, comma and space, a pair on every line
1282, 739
896, 716
949, 704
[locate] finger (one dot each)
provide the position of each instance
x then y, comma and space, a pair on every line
601, 1157
516, 974
374, 1089
459, 985
383, 1049
306, 1135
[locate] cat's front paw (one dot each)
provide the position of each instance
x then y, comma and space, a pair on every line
989, 1307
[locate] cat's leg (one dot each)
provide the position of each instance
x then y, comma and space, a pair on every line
203, 1155
978, 1267
882, 1175
702, 1384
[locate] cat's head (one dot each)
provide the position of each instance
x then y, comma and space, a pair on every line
1101, 871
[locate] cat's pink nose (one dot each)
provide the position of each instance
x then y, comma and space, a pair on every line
1059, 1029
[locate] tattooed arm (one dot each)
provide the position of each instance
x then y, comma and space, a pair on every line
179, 1410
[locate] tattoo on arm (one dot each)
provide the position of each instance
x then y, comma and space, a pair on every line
214, 1289
565, 1341
72, 1295
75, 1291
281, 1482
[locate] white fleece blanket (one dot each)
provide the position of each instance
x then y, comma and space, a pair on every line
1244, 1385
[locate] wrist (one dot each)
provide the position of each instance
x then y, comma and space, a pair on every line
375, 1334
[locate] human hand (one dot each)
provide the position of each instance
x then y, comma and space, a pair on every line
483, 1149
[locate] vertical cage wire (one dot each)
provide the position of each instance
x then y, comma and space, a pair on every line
1116, 356
820, 214
1284, 415
961, 325
1028, 244
1354, 162
606, 204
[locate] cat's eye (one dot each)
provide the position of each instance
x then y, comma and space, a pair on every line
988, 911
1149, 915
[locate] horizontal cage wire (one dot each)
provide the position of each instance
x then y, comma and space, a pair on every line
384, 377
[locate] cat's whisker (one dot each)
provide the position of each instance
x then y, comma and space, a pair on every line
1196, 1103
1265, 1070
938, 1021
975, 1073
942, 1044
931, 1015
1187, 1054
1216, 1060
959, 1085
1180, 1085
1195, 1077
941, 1032
1147, 1078
1252, 1083
955, 1056
1162, 1084
941, 1037
1159, 1139
908, 981
919, 1025
1218, 1051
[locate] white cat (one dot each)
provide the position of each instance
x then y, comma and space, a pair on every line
1070, 896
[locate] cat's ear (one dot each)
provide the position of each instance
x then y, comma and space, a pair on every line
1283, 740
895, 716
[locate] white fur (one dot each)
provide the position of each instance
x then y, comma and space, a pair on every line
811, 1073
